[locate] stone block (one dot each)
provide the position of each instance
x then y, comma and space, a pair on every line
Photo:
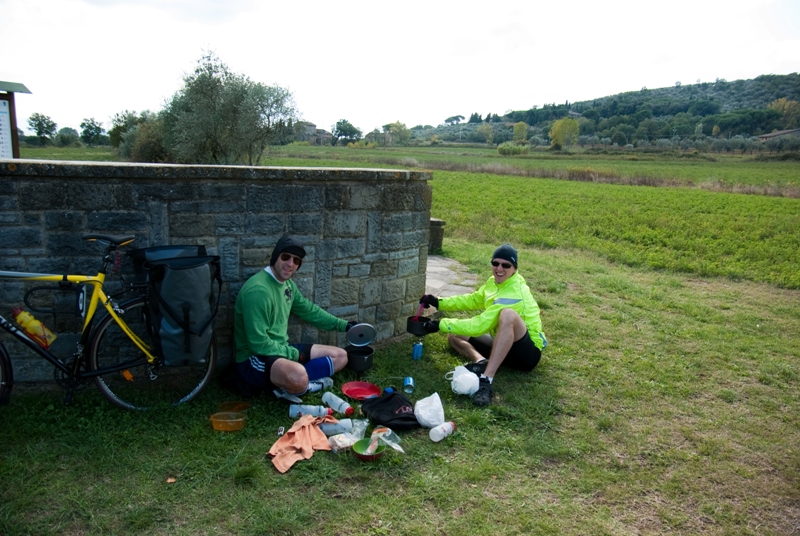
344, 291
188, 225
265, 224
15, 237
371, 292
229, 224
64, 220
407, 267
345, 224
350, 247
392, 290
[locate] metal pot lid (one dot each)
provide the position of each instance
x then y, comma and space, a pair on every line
360, 335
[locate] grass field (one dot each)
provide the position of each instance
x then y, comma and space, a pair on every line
668, 400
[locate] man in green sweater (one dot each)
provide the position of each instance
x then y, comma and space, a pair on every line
508, 332
264, 357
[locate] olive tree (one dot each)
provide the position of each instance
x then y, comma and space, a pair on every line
220, 117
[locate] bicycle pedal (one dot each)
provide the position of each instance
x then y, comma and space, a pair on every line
127, 375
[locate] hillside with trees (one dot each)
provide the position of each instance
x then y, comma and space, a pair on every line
683, 114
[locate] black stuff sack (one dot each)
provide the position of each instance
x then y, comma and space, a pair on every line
182, 307
392, 410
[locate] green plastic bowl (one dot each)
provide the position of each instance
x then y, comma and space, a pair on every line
361, 447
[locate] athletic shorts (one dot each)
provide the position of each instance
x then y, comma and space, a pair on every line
256, 369
523, 355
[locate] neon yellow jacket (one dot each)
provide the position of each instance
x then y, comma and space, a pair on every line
492, 298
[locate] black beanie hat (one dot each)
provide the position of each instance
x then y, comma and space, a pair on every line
507, 252
289, 245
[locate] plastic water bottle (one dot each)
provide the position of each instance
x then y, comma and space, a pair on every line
296, 410
35, 330
337, 404
443, 430
341, 427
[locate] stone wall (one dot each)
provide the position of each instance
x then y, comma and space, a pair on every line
366, 233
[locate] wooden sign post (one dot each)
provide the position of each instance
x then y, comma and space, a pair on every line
9, 138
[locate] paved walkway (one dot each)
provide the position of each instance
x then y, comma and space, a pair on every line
446, 277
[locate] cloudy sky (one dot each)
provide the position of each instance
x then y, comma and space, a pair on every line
375, 62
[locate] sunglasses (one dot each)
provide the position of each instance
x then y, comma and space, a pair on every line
505, 265
285, 257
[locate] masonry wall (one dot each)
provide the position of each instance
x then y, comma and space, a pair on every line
366, 234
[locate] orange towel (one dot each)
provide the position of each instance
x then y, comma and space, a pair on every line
300, 442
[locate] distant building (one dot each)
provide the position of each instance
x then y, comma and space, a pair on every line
779, 133
306, 131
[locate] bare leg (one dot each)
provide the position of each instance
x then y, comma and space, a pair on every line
460, 344
510, 328
289, 375
339, 355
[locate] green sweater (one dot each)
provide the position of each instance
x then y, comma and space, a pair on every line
261, 317
492, 298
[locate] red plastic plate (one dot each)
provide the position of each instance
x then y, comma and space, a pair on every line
361, 390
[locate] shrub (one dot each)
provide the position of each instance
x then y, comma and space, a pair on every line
361, 144
511, 149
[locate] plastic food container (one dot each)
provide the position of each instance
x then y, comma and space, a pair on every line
239, 406
228, 421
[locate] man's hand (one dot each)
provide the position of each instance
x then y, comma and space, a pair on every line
431, 326
428, 300
350, 325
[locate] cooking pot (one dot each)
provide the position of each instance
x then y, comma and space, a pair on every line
414, 325
359, 358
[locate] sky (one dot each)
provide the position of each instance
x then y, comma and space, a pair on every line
377, 62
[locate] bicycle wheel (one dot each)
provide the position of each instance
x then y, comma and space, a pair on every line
6, 376
138, 385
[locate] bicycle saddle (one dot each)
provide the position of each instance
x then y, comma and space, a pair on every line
108, 240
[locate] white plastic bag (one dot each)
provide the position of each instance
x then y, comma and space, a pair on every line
462, 381
429, 411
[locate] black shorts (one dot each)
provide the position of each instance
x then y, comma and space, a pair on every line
256, 369
523, 354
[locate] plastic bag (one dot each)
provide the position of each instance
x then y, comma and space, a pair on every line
387, 437
429, 411
340, 442
462, 381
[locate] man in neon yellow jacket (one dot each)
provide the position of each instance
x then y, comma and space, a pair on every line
508, 332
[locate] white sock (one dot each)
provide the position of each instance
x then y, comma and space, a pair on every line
488, 378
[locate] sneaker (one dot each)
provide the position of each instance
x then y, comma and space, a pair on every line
478, 367
483, 397
322, 384
281, 393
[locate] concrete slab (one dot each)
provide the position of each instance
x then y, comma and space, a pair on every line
447, 277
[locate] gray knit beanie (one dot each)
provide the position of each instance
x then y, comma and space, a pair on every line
507, 252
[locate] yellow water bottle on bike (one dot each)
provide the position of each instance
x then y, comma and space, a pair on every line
37, 331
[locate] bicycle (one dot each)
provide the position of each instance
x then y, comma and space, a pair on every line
114, 349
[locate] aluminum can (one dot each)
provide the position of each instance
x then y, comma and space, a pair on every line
416, 354
408, 384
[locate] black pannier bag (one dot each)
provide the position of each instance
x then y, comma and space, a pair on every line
155, 253
182, 307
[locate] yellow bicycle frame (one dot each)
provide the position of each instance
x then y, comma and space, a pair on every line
98, 296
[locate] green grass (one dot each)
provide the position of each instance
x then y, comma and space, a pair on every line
664, 404
106, 154
676, 229
668, 401
710, 171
